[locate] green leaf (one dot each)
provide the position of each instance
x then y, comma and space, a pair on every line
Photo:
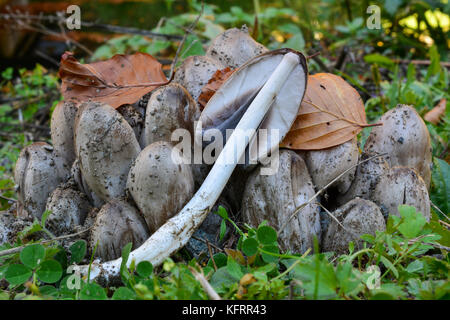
222, 212
318, 277
411, 74
347, 278
388, 264
388, 291
296, 42
437, 228
435, 66
61, 257
92, 291
413, 222
44, 217
268, 258
123, 293
379, 59
392, 6
223, 229
220, 259
17, 274
440, 190
250, 246
49, 271
144, 269
7, 74
222, 279
415, 266
266, 235
4, 295
32, 254
192, 47
27, 231
123, 266
234, 269
78, 251
49, 291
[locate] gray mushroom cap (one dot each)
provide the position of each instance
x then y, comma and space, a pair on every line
402, 185
170, 107
69, 208
358, 217
37, 173
325, 165
160, 182
276, 197
234, 47
195, 72
11, 225
227, 106
117, 224
61, 126
405, 137
366, 178
5, 231
106, 146
81, 184
134, 118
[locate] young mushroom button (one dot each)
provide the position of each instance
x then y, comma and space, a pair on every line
105, 145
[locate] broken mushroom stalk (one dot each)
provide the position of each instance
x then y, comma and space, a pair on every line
176, 232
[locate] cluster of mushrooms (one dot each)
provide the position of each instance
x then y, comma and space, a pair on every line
112, 170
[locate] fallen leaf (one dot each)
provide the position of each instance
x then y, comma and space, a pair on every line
434, 115
331, 113
123, 79
216, 81
236, 255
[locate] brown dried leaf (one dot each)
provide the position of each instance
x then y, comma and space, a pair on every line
434, 115
213, 85
236, 255
331, 113
123, 79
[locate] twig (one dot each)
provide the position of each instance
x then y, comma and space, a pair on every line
444, 223
46, 57
27, 125
212, 294
191, 27
313, 55
205, 242
211, 255
420, 62
336, 219
438, 246
18, 249
38, 27
340, 61
326, 187
434, 245
319, 62
439, 210
94, 25
7, 199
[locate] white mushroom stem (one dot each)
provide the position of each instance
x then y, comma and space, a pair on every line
176, 232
